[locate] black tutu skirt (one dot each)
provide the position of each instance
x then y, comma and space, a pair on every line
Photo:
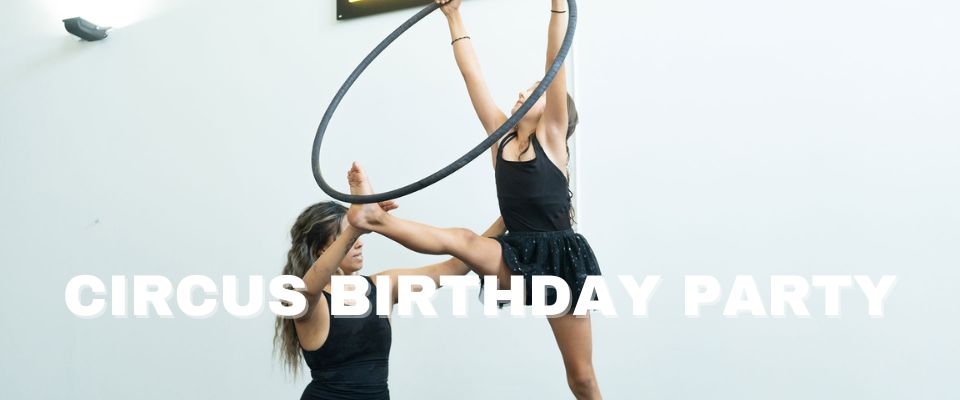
565, 254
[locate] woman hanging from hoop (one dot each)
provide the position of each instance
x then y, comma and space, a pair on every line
534, 196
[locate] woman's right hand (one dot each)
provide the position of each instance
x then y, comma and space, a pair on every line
448, 6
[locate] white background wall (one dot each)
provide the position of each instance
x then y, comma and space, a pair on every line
724, 138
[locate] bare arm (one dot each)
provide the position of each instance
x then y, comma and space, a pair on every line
491, 117
453, 266
555, 111
318, 277
326, 265
312, 328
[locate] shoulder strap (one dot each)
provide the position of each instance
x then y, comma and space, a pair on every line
503, 142
373, 286
537, 147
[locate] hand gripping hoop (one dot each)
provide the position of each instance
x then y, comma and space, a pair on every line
460, 162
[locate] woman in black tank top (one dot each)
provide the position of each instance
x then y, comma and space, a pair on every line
348, 357
534, 197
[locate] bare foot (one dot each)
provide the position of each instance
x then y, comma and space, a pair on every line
362, 216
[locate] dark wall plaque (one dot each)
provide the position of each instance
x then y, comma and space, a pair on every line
347, 9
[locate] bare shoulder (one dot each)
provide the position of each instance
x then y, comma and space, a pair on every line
555, 147
314, 327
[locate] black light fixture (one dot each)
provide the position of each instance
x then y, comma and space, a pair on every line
84, 29
347, 9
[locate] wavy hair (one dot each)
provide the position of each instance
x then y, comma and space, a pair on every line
316, 226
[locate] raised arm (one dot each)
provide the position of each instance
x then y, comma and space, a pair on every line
312, 328
491, 117
555, 110
318, 276
453, 266
320, 273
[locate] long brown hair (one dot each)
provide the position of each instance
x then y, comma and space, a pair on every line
316, 226
573, 119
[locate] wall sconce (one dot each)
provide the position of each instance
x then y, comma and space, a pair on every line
84, 29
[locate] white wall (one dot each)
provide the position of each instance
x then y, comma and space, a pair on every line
740, 137
760, 137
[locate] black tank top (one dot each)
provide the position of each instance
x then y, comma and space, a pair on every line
533, 194
353, 362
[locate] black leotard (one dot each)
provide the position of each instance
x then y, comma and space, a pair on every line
535, 204
533, 194
353, 362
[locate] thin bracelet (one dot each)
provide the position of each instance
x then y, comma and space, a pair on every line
459, 39
558, 12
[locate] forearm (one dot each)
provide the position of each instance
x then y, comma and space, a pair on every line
456, 25
469, 64
463, 50
555, 112
327, 264
451, 267
557, 29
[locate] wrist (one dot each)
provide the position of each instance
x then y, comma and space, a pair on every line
352, 232
453, 16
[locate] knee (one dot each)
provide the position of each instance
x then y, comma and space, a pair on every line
466, 237
583, 383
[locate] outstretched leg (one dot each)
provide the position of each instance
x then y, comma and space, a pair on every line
482, 254
576, 346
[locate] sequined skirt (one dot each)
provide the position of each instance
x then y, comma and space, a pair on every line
565, 254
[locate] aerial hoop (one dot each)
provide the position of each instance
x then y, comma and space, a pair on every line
466, 158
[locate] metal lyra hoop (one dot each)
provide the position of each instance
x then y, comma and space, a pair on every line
460, 162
